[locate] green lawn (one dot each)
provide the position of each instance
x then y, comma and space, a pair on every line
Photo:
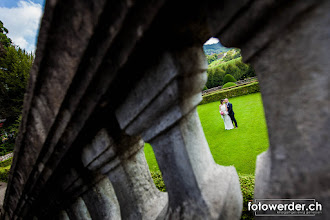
238, 147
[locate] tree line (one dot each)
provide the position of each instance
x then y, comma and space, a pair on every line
229, 63
15, 65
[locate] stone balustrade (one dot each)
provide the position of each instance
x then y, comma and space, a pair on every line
79, 153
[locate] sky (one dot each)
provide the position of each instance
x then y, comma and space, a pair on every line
212, 40
22, 19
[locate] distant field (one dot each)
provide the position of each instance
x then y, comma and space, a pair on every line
238, 147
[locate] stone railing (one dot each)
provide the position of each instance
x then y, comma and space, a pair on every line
5, 157
79, 153
240, 82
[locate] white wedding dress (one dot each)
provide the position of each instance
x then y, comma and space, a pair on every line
226, 119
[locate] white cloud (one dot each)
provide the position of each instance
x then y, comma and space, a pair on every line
212, 40
23, 23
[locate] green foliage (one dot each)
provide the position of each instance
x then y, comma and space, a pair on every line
4, 173
205, 88
229, 78
229, 84
15, 65
158, 180
5, 41
211, 58
7, 147
6, 163
14, 74
217, 48
247, 188
215, 77
232, 54
234, 92
218, 69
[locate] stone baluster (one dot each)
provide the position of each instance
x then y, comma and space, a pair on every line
295, 90
63, 215
101, 201
79, 210
124, 163
165, 115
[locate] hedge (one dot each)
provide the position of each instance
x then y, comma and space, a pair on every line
238, 91
6, 162
4, 173
158, 180
247, 188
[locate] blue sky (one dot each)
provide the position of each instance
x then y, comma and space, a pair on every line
22, 19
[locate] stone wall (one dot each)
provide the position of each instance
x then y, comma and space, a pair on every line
79, 153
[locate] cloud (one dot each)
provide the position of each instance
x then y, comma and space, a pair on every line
23, 23
212, 40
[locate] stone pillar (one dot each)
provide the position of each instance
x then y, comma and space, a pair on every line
123, 161
101, 202
63, 215
78, 210
293, 71
166, 117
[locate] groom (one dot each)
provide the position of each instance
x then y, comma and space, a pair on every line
231, 112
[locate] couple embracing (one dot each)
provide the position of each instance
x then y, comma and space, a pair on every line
227, 114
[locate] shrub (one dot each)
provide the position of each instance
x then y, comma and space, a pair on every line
6, 162
229, 84
4, 173
238, 91
158, 180
247, 188
228, 78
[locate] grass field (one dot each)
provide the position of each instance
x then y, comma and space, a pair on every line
238, 147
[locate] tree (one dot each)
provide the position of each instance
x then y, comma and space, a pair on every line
15, 65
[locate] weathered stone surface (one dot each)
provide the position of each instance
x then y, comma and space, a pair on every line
100, 87
78, 210
197, 187
129, 174
101, 201
293, 74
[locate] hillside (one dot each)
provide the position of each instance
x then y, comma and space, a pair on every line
217, 48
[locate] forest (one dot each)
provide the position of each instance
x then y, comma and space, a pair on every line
15, 65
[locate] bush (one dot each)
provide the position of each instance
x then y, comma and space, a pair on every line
7, 147
229, 78
247, 188
238, 91
158, 180
6, 162
229, 84
4, 173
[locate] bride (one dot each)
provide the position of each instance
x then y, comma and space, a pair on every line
224, 115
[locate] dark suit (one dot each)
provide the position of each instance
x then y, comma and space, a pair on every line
231, 113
